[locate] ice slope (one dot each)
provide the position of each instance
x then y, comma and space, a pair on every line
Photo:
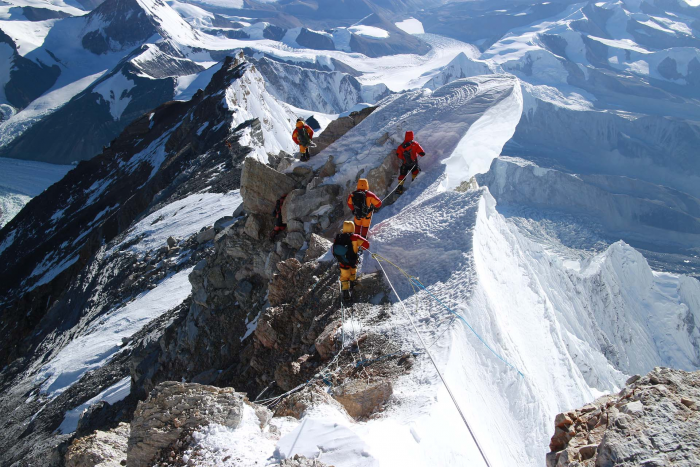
626, 208
323, 91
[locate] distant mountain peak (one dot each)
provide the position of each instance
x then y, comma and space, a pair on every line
118, 24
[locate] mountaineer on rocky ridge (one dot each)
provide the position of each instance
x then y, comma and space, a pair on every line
408, 153
363, 203
346, 249
302, 135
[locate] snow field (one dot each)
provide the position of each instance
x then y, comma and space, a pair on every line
411, 26
111, 395
96, 342
179, 219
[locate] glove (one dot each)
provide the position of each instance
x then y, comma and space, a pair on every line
421, 153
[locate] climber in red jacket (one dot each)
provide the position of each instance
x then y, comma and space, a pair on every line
302, 136
408, 153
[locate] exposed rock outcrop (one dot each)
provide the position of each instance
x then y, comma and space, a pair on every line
362, 399
176, 409
301, 461
339, 127
653, 422
100, 449
262, 186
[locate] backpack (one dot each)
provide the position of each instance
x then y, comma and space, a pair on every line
303, 137
359, 204
343, 249
407, 152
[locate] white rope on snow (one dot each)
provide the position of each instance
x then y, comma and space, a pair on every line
449, 391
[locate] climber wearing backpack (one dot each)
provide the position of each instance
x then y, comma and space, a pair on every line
346, 247
302, 135
277, 213
408, 152
363, 203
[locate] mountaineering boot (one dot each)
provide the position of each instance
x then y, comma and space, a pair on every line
399, 189
413, 176
346, 295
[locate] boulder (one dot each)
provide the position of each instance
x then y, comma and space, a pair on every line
295, 226
301, 461
174, 409
253, 226
206, 235
300, 402
172, 242
361, 399
295, 240
224, 222
303, 203
318, 246
100, 449
327, 341
302, 174
380, 178
262, 186
328, 169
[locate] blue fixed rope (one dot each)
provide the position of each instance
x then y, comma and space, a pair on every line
415, 282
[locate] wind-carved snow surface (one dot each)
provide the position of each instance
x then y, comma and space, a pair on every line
440, 120
484, 140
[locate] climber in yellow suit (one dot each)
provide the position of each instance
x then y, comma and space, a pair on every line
345, 249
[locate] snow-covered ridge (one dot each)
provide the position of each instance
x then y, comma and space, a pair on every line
440, 120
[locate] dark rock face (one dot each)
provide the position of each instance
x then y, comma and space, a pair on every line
653, 422
273, 32
313, 40
42, 14
28, 79
42, 319
127, 181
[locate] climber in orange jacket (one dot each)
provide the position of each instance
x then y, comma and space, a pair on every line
408, 153
346, 249
363, 203
302, 136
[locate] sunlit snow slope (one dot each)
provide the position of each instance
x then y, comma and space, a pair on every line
573, 333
